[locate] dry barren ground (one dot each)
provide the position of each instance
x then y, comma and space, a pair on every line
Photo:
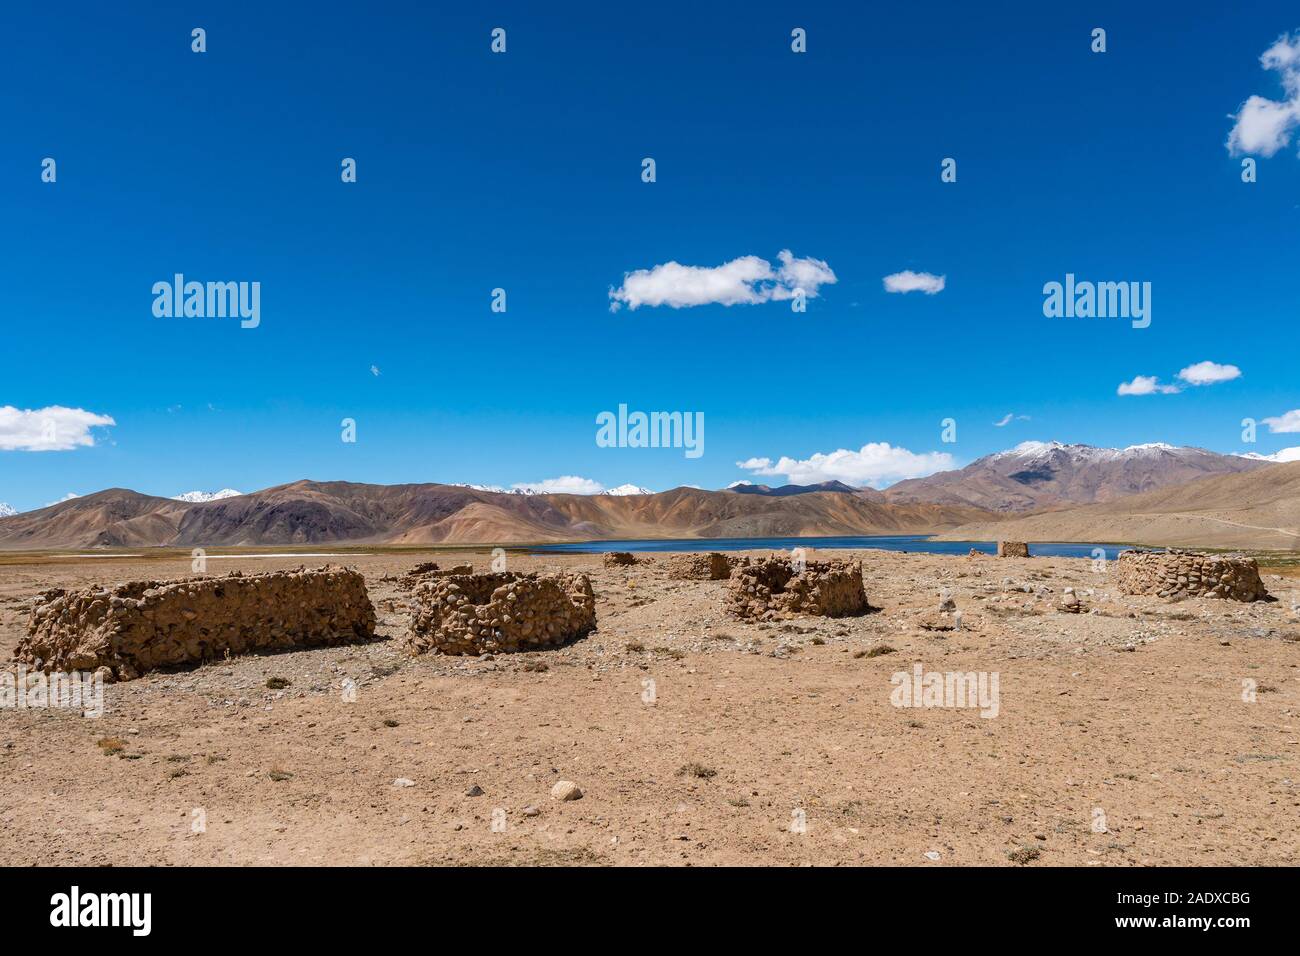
1122, 737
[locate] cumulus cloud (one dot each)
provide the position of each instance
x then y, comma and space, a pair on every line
748, 280
68, 497
48, 429
1286, 454
1209, 373
564, 485
1286, 423
1146, 385
1262, 125
908, 281
875, 464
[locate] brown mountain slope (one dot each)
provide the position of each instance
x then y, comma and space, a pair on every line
1036, 475
338, 512
1258, 509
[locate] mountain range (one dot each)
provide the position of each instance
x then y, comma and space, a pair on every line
337, 512
1258, 509
1036, 491
1037, 475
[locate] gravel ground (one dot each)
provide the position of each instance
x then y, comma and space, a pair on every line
1136, 732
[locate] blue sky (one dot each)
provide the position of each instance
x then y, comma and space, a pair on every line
523, 170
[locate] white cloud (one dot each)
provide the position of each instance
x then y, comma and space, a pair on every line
748, 280
48, 429
1010, 417
1262, 125
908, 281
1209, 373
875, 464
564, 485
1146, 385
68, 497
1286, 454
1285, 423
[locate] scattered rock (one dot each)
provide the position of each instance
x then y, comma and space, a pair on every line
566, 790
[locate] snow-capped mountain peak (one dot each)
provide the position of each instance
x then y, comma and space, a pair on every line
7, 511
624, 490
1033, 450
1038, 474
620, 491
198, 497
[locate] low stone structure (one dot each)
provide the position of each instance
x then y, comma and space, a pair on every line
1013, 549
713, 566
619, 559
775, 588
480, 613
143, 625
427, 569
1177, 574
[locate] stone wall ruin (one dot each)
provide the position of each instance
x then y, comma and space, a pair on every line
1180, 574
429, 569
1013, 549
501, 612
713, 566
143, 625
774, 587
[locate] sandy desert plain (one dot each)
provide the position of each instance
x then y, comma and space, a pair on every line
1122, 737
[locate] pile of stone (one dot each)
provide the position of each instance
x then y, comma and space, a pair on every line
713, 566
1013, 549
623, 559
1182, 574
946, 618
1071, 603
778, 587
427, 569
492, 613
143, 625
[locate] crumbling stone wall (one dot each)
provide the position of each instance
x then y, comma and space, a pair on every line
713, 566
1190, 574
429, 569
142, 625
1013, 549
480, 613
618, 559
773, 587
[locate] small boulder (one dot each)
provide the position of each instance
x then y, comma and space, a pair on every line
566, 790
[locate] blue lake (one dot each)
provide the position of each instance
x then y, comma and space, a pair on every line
913, 543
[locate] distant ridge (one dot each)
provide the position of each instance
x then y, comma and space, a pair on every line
339, 512
1036, 475
1258, 509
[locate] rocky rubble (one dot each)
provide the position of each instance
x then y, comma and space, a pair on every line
1181, 574
482, 613
615, 559
775, 587
1013, 549
143, 625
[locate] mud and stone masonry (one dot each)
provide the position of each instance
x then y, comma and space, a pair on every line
775, 587
713, 566
1175, 574
482, 613
143, 625
429, 569
1013, 549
